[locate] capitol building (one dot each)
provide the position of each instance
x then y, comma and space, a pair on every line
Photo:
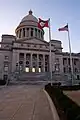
28, 52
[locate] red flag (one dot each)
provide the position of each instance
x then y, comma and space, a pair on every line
65, 28
42, 23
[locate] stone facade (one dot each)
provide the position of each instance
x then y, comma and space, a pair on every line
29, 52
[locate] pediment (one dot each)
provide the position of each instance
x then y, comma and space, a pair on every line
33, 41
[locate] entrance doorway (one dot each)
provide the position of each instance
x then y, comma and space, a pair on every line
33, 70
39, 69
26, 69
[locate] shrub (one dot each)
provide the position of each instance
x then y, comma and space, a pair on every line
71, 109
2, 82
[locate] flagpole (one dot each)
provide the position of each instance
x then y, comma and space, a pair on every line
70, 57
50, 61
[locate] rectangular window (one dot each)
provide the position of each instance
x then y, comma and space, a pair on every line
23, 32
6, 57
68, 61
69, 70
64, 69
21, 56
39, 33
35, 32
6, 67
31, 32
57, 60
27, 32
64, 61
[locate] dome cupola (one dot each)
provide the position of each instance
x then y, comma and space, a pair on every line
28, 27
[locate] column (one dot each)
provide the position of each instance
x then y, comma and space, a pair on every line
40, 34
25, 32
29, 32
18, 34
43, 63
21, 33
33, 32
37, 62
24, 61
31, 63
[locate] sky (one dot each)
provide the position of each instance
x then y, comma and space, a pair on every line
60, 13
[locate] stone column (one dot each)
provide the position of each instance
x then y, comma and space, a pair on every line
43, 63
21, 33
40, 34
31, 63
33, 32
24, 61
29, 32
37, 62
25, 32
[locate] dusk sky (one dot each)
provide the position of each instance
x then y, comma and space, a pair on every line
60, 12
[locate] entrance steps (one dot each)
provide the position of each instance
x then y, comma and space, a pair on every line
30, 78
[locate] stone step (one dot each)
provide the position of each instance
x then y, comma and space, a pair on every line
28, 82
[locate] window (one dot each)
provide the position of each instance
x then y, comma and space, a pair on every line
27, 62
68, 61
76, 70
64, 69
69, 70
28, 45
27, 32
46, 46
21, 44
31, 32
23, 32
39, 63
39, 33
34, 45
21, 56
78, 77
20, 62
74, 61
64, 61
5, 67
57, 60
6, 57
35, 32
57, 68
40, 46
46, 63
5, 77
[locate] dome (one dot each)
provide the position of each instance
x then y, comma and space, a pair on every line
29, 17
28, 28
29, 20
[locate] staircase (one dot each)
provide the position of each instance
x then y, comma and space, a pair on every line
30, 78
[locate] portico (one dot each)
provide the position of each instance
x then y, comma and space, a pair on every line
30, 62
